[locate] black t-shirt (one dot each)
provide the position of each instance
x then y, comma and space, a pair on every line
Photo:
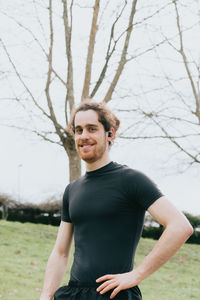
107, 208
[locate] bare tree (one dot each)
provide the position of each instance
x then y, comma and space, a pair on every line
175, 117
109, 48
117, 40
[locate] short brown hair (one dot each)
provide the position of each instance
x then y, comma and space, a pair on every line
105, 115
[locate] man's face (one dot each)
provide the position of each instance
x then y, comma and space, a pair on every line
90, 136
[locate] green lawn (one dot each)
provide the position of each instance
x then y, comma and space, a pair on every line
25, 248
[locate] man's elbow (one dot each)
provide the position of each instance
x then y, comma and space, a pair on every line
186, 229
181, 228
189, 230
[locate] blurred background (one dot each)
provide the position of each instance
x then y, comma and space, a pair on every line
141, 58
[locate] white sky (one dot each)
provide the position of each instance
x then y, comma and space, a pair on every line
32, 170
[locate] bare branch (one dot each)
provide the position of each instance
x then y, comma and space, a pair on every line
70, 89
23, 83
122, 61
71, 7
28, 30
93, 31
171, 82
39, 21
157, 137
58, 76
158, 114
152, 15
109, 53
155, 118
194, 158
46, 138
184, 57
48, 82
42, 135
172, 138
146, 51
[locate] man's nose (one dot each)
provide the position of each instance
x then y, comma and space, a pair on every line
84, 134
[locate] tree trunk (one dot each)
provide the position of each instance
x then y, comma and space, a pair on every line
5, 212
74, 160
74, 165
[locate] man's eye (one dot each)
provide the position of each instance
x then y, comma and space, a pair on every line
92, 129
78, 130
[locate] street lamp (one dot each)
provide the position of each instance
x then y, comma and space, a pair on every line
19, 178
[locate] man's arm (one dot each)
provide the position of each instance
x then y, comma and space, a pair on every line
57, 262
177, 231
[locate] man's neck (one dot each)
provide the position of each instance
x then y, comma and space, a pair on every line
97, 164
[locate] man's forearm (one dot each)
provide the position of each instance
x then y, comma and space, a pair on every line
55, 270
170, 241
173, 237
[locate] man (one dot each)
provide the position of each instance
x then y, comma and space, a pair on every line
105, 210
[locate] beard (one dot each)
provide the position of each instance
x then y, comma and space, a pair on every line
93, 151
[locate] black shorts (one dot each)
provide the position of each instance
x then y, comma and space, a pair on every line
86, 291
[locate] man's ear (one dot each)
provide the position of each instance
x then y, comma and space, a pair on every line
111, 133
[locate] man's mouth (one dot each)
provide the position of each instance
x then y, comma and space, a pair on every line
86, 145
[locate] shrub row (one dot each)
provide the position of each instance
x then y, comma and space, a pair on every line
49, 212
155, 233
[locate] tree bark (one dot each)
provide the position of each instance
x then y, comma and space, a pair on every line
74, 165
122, 61
74, 159
88, 68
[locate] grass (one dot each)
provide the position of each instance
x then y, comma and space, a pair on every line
25, 248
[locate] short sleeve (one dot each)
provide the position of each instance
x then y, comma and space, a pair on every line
65, 206
142, 189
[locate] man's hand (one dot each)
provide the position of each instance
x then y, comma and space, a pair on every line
118, 282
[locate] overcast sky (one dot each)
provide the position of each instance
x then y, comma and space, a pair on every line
32, 170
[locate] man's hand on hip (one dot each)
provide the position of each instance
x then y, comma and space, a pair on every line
117, 282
